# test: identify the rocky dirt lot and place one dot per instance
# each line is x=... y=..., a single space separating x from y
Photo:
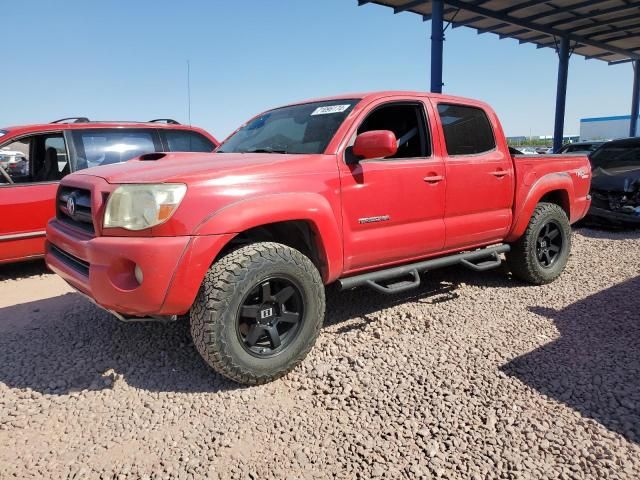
x=472 y=376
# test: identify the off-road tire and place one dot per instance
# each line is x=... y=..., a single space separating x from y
x=228 y=281
x=522 y=259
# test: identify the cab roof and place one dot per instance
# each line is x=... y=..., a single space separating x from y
x=370 y=96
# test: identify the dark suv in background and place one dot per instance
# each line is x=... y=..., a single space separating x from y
x=615 y=187
x=34 y=158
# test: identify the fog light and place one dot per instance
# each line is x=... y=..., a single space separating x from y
x=138 y=273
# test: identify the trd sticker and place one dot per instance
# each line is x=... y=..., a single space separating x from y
x=381 y=218
x=582 y=173
x=329 y=110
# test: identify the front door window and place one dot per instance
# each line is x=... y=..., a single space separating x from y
x=34 y=159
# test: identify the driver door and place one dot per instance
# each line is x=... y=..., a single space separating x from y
x=393 y=208
x=27 y=201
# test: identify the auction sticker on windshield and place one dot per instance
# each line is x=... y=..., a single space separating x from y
x=330 y=109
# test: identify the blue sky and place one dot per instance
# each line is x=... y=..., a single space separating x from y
x=126 y=59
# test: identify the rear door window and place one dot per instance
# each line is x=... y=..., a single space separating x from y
x=467 y=130
x=186 y=141
x=95 y=147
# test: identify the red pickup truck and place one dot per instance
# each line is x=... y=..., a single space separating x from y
x=364 y=190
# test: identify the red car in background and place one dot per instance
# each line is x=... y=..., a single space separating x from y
x=34 y=158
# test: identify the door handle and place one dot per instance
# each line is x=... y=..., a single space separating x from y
x=500 y=173
x=433 y=178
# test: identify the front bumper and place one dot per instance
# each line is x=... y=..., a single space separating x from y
x=103 y=268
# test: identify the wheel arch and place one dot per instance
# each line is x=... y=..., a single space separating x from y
x=305 y=222
x=558 y=197
x=554 y=188
x=303 y=235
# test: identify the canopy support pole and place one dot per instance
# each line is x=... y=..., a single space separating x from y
x=561 y=93
x=635 y=101
x=437 y=40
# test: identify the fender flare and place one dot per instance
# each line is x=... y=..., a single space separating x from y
x=254 y=212
x=550 y=182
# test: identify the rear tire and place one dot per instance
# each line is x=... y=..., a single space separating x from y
x=541 y=254
x=258 y=312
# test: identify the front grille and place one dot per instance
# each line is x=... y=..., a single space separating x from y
x=82 y=217
x=72 y=261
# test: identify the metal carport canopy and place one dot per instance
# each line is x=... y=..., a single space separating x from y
x=607 y=30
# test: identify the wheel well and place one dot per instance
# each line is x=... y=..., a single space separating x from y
x=298 y=234
x=560 y=198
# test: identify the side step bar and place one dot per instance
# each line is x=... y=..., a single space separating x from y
x=478 y=260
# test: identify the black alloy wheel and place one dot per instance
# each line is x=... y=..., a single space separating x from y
x=540 y=255
x=258 y=312
x=549 y=244
x=270 y=317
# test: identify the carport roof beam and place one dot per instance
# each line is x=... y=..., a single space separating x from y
x=544 y=23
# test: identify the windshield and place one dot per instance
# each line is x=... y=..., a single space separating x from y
x=3 y=133
x=617 y=157
x=297 y=129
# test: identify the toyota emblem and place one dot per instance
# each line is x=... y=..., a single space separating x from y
x=71 y=206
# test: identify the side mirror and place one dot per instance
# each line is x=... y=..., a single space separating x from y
x=375 y=144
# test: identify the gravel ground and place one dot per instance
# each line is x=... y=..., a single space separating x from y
x=472 y=376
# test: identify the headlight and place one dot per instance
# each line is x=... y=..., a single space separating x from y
x=136 y=207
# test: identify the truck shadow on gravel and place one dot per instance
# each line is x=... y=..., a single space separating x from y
x=437 y=287
x=594 y=367
x=65 y=344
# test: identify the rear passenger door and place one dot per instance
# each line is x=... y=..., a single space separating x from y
x=480 y=177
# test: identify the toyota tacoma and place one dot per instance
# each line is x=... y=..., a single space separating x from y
x=359 y=190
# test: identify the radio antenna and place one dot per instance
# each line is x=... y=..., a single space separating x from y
x=189 y=91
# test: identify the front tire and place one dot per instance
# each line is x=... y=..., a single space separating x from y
x=541 y=254
x=258 y=312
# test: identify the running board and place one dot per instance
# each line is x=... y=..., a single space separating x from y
x=477 y=260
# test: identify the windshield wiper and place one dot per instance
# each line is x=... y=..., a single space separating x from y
x=266 y=150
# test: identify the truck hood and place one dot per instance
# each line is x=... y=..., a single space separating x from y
x=190 y=167
x=621 y=179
